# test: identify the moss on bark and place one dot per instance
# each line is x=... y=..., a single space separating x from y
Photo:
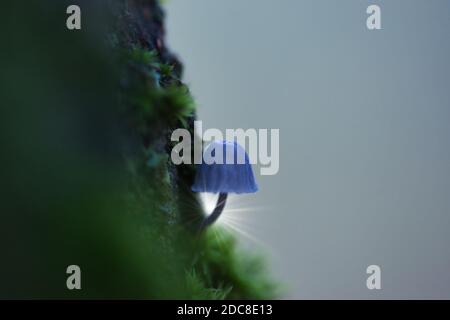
x=86 y=163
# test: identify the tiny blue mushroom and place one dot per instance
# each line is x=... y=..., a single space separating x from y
x=225 y=169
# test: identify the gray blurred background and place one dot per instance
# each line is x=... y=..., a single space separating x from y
x=364 y=136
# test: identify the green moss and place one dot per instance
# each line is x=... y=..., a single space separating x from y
x=153 y=96
x=210 y=265
x=224 y=264
x=200 y=290
x=140 y=55
x=80 y=190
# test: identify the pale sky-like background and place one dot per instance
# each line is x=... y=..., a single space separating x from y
x=364 y=134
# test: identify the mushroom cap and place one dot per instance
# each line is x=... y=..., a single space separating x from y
x=222 y=177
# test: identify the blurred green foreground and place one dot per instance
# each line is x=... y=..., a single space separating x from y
x=86 y=177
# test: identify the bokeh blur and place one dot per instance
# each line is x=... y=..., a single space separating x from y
x=364 y=164
x=364 y=134
x=61 y=162
x=86 y=178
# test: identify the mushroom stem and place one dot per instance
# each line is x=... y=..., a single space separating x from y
x=209 y=220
